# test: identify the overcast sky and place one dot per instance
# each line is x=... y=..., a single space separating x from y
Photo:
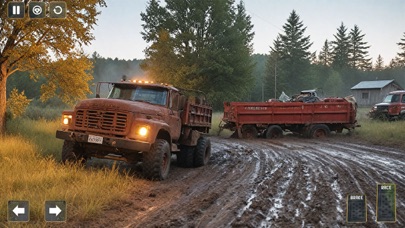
x=382 y=21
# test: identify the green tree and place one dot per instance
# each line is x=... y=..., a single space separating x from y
x=17 y=103
x=48 y=48
x=325 y=55
x=379 y=64
x=401 y=54
x=203 y=45
x=358 y=50
x=292 y=54
x=341 y=46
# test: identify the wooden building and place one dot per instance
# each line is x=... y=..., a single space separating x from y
x=368 y=93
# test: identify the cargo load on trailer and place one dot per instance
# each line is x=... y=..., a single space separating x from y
x=139 y=121
x=306 y=114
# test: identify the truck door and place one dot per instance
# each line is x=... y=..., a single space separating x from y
x=174 y=117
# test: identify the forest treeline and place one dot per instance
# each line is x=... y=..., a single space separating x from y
x=210 y=48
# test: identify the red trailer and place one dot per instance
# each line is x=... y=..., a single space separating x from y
x=269 y=119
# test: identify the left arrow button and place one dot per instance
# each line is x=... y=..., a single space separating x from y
x=19 y=210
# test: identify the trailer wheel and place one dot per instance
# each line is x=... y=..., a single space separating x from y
x=185 y=158
x=274 y=131
x=319 y=131
x=156 y=162
x=202 y=152
x=249 y=132
x=71 y=152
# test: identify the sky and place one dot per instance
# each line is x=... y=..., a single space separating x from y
x=119 y=27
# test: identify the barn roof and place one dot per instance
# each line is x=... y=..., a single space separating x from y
x=372 y=84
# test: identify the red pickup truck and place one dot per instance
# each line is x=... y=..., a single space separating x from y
x=392 y=107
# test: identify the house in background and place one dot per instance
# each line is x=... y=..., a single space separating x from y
x=368 y=93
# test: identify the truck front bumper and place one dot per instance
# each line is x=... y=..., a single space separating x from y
x=113 y=142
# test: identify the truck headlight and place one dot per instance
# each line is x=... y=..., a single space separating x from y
x=143 y=131
x=67 y=119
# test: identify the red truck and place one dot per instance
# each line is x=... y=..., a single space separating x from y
x=270 y=119
x=139 y=121
x=392 y=107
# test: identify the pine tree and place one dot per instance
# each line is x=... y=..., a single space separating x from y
x=341 y=46
x=358 y=50
x=379 y=64
x=292 y=49
x=325 y=55
x=401 y=55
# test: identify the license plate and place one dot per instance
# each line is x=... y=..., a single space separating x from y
x=95 y=139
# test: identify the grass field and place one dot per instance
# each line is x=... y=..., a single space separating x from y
x=30 y=170
x=387 y=133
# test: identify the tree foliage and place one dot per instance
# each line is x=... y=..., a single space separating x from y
x=401 y=55
x=358 y=54
x=290 y=56
x=48 y=48
x=17 y=103
x=202 y=45
x=341 y=46
x=379 y=64
x=325 y=55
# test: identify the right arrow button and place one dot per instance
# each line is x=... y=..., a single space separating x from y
x=55 y=211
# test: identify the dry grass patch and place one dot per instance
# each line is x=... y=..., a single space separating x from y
x=30 y=171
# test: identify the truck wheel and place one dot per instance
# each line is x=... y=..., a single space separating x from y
x=319 y=131
x=202 y=152
x=185 y=158
x=274 y=131
x=156 y=162
x=249 y=132
x=71 y=152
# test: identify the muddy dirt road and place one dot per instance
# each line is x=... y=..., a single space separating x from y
x=289 y=182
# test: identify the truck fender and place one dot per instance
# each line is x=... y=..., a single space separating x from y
x=161 y=130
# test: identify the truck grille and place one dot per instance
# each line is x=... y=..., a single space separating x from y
x=106 y=122
x=382 y=108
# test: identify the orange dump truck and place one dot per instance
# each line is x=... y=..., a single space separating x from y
x=270 y=119
x=139 y=121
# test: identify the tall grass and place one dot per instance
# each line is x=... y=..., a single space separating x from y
x=387 y=133
x=30 y=171
x=40 y=132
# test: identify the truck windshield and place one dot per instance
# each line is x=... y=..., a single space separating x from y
x=391 y=98
x=153 y=95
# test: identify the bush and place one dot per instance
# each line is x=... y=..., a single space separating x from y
x=17 y=103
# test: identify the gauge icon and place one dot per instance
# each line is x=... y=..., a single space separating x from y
x=36 y=9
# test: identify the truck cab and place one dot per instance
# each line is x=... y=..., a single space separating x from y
x=139 y=121
x=392 y=107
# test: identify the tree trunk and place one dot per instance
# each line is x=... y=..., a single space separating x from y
x=3 y=100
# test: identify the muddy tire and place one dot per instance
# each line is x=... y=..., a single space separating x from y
x=185 y=158
x=202 y=152
x=249 y=132
x=156 y=162
x=319 y=131
x=71 y=152
x=273 y=132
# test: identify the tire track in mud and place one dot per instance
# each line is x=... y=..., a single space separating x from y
x=288 y=182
